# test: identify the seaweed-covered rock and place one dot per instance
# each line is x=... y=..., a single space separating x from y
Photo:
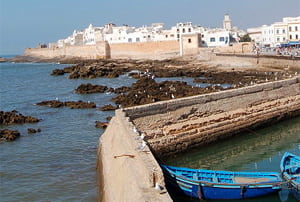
x=51 y=103
x=15 y=117
x=9 y=135
x=90 y=88
x=80 y=104
x=58 y=72
x=32 y=130
x=102 y=125
x=108 y=107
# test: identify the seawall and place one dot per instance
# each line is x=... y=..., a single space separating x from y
x=127 y=170
x=177 y=125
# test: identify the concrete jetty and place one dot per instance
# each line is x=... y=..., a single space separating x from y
x=127 y=167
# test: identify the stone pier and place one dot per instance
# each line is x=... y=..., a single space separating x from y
x=129 y=170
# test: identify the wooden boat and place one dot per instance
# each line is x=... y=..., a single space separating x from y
x=209 y=184
x=290 y=169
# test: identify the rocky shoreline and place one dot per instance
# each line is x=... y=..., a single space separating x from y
x=147 y=90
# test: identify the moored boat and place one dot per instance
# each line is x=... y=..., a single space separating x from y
x=290 y=169
x=210 y=184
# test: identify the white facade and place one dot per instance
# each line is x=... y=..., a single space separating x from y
x=278 y=33
x=216 y=38
x=92 y=35
x=156 y=32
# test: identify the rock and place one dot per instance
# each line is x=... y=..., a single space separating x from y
x=57 y=72
x=71 y=104
x=108 y=107
x=32 y=130
x=102 y=125
x=80 y=104
x=15 y=117
x=89 y=88
x=9 y=135
x=51 y=103
x=108 y=118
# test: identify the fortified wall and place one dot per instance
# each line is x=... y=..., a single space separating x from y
x=143 y=50
x=127 y=168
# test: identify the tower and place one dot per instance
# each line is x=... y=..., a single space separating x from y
x=227 y=22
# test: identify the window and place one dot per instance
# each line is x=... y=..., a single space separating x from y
x=177 y=30
x=277 y=31
x=137 y=39
x=190 y=30
x=291 y=36
x=183 y=30
x=296 y=28
x=212 y=39
x=190 y=40
x=221 y=39
x=172 y=35
x=178 y=36
x=129 y=39
x=283 y=38
x=296 y=36
x=278 y=39
x=283 y=31
x=290 y=29
x=202 y=35
x=166 y=36
x=203 y=42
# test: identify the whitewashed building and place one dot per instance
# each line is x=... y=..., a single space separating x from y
x=277 y=34
x=92 y=35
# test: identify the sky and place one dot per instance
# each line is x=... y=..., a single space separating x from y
x=26 y=23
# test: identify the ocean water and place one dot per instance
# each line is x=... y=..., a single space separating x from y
x=59 y=163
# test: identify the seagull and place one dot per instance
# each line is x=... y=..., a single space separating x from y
x=56 y=99
x=143 y=145
x=157 y=186
x=135 y=130
x=172 y=96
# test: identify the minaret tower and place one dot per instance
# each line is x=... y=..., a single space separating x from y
x=227 y=22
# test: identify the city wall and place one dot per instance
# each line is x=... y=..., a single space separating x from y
x=100 y=50
x=143 y=50
x=146 y=50
x=177 y=125
x=271 y=61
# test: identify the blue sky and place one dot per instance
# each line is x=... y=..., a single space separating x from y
x=26 y=23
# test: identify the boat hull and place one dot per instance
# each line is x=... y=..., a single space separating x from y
x=290 y=168
x=208 y=190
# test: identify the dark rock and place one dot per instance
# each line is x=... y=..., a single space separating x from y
x=89 y=88
x=108 y=118
x=32 y=130
x=80 y=104
x=108 y=107
x=9 y=135
x=102 y=125
x=51 y=103
x=57 y=72
x=15 y=117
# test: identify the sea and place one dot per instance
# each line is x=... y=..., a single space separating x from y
x=59 y=163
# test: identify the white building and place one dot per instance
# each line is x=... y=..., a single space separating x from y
x=92 y=35
x=227 y=22
x=286 y=32
x=216 y=38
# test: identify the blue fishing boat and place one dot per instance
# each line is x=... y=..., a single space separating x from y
x=210 y=184
x=290 y=169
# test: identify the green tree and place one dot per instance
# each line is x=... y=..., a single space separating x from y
x=245 y=38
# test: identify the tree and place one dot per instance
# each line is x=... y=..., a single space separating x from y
x=245 y=38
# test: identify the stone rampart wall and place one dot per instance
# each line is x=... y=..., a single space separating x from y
x=145 y=50
x=175 y=126
x=86 y=52
x=171 y=105
x=280 y=62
